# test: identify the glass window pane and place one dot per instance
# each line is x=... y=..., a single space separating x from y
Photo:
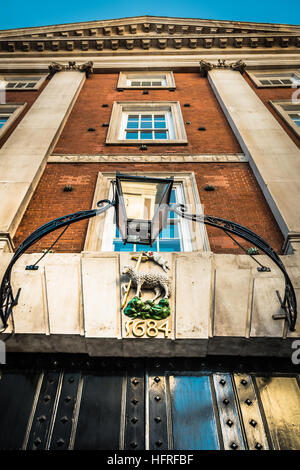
x=135 y=83
x=156 y=83
x=146 y=83
x=133 y=117
x=161 y=135
x=146 y=124
x=20 y=85
x=2 y=121
x=287 y=81
x=30 y=85
x=146 y=117
x=10 y=85
x=172 y=214
x=119 y=246
x=146 y=247
x=170 y=231
x=132 y=125
x=160 y=117
x=160 y=125
x=131 y=135
x=276 y=82
x=265 y=82
x=169 y=245
x=146 y=135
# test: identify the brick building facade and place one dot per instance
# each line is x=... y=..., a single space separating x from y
x=213 y=104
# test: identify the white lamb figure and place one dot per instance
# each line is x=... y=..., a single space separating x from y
x=148 y=280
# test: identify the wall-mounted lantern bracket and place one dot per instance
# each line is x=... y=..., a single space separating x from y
x=7 y=299
x=289 y=302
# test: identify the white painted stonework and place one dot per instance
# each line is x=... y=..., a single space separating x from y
x=24 y=154
x=273 y=156
x=220 y=304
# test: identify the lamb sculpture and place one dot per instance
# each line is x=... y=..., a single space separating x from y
x=150 y=280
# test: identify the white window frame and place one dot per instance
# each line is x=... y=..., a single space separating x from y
x=260 y=75
x=101 y=230
x=126 y=78
x=284 y=108
x=38 y=80
x=13 y=110
x=120 y=110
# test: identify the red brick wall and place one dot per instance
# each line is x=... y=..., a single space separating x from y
x=100 y=89
x=266 y=94
x=237 y=197
x=28 y=97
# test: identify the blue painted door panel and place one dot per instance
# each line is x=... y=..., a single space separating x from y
x=193 y=417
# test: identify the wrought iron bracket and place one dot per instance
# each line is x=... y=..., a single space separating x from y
x=289 y=302
x=7 y=299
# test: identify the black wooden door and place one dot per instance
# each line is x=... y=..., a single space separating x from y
x=75 y=402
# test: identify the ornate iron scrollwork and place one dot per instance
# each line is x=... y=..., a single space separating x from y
x=7 y=299
x=289 y=302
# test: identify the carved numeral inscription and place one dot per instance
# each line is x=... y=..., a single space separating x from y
x=150 y=328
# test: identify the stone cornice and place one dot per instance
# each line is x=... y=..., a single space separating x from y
x=80 y=44
x=150 y=24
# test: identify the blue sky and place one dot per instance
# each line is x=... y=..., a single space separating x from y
x=18 y=14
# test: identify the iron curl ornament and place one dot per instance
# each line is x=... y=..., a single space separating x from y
x=7 y=299
x=288 y=303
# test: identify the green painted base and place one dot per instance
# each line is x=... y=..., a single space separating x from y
x=136 y=308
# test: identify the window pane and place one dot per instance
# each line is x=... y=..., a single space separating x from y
x=156 y=83
x=133 y=117
x=146 y=83
x=160 y=117
x=160 y=124
x=146 y=124
x=171 y=231
x=119 y=246
x=30 y=85
x=10 y=85
x=135 y=83
x=146 y=247
x=2 y=121
x=146 y=117
x=132 y=125
x=275 y=82
x=20 y=85
x=265 y=82
x=146 y=135
x=172 y=215
x=169 y=245
x=161 y=135
x=287 y=81
x=131 y=135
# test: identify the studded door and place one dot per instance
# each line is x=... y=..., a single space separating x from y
x=83 y=403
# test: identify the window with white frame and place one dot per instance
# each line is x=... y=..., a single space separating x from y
x=289 y=112
x=179 y=234
x=147 y=126
x=150 y=122
x=8 y=114
x=143 y=79
x=22 y=82
x=279 y=78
